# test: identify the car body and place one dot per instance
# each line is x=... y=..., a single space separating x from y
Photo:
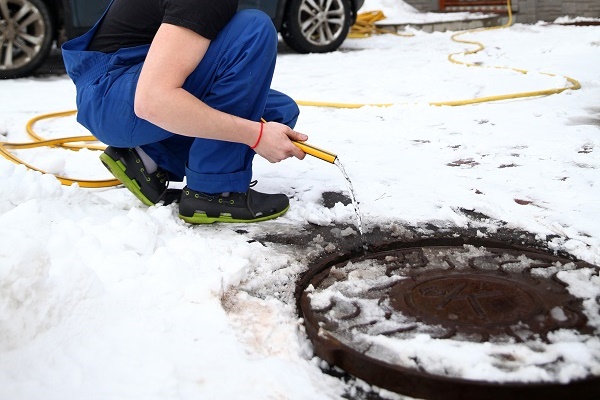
x=29 y=28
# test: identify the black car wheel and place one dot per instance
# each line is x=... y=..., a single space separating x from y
x=26 y=33
x=316 y=26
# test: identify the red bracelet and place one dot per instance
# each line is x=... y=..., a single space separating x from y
x=262 y=124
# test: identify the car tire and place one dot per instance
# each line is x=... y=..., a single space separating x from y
x=23 y=48
x=316 y=26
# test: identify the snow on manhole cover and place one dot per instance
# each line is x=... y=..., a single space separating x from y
x=459 y=321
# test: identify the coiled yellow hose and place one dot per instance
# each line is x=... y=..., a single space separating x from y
x=73 y=142
x=366 y=27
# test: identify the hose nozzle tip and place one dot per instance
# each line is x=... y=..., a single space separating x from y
x=316 y=152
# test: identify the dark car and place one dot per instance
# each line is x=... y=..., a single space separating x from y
x=29 y=28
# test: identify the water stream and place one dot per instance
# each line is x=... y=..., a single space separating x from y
x=359 y=220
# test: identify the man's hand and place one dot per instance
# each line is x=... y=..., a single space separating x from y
x=276 y=143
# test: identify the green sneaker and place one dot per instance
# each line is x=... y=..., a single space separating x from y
x=201 y=208
x=127 y=166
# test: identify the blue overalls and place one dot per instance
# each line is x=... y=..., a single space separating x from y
x=234 y=77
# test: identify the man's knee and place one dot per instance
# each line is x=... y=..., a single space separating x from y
x=281 y=108
x=254 y=23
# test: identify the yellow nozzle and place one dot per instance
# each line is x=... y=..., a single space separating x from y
x=316 y=152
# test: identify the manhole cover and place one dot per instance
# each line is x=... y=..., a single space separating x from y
x=459 y=321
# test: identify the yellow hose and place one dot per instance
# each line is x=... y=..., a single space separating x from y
x=364 y=27
x=74 y=143
x=574 y=84
x=316 y=152
x=371 y=17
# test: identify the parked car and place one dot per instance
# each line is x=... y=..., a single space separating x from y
x=29 y=28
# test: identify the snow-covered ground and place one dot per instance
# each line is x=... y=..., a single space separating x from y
x=104 y=298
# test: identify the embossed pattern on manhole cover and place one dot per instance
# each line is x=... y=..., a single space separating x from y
x=455 y=321
x=468 y=301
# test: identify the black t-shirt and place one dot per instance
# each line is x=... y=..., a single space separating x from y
x=130 y=23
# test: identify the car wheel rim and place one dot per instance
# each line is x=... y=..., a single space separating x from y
x=22 y=33
x=321 y=21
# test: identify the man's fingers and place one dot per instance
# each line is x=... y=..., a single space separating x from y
x=275 y=147
x=298 y=153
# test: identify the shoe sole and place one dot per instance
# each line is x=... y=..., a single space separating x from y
x=204 y=219
x=117 y=168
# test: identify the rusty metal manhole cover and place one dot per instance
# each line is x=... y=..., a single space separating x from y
x=459 y=322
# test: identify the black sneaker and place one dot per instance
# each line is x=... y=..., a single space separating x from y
x=127 y=166
x=201 y=208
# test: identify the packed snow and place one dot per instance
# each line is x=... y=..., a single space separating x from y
x=102 y=297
